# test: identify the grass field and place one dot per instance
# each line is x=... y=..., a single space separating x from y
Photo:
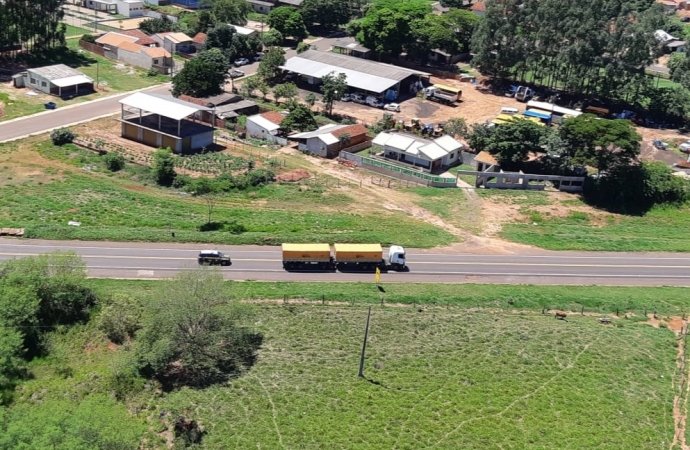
x=594 y=299
x=442 y=378
x=123 y=207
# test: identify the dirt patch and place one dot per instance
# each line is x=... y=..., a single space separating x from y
x=112 y=346
x=294 y=175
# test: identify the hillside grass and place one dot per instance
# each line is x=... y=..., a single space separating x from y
x=128 y=207
x=441 y=378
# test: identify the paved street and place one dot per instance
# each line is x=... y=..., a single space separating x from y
x=150 y=261
x=79 y=112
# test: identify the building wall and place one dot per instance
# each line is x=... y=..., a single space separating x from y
x=407 y=159
x=135 y=59
x=256 y=131
x=100 y=5
x=261 y=8
x=202 y=140
x=452 y=158
x=35 y=81
x=131 y=9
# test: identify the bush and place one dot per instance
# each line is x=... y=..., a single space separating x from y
x=164 y=167
x=120 y=318
x=152 y=72
x=181 y=181
x=114 y=162
x=62 y=136
x=90 y=38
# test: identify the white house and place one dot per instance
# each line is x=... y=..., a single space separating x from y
x=429 y=155
x=175 y=42
x=60 y=80
x=329 y=140
x=267 y=126
x=244 y=30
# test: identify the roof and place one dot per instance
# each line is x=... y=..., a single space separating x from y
x=175 y=37
x=273 y=116
x=142 y=38
x=56 y=72
x=486 y=158
x=242 y=30
x=228 y=111
x=162 y=105
x=350 y=44
x=352 y=130
x=156 y=52
x=291 y=2
x=199 y=38
x=129 y=46
x=260 y=3
x=416 y=146
x=263 y=122
x=72 y=81
x=115 y=39
x=479 y=6
x=361 y=73
x=535 y=113
x=676 y=43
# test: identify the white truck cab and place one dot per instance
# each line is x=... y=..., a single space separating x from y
x=396 y=257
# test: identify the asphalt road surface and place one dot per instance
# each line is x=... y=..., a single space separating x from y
x=154 y=261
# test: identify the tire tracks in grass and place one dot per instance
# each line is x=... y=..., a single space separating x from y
x=274 y=414
x=517 y=400
x=680 y=386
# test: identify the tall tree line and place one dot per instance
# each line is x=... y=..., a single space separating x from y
x=31 y=25
x=592 y=47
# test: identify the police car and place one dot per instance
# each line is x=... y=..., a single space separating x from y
x=210 y=257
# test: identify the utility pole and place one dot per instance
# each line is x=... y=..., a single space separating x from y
x=364 y=347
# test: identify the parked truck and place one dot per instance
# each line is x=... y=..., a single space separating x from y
x=362 y=257
x=442 y=94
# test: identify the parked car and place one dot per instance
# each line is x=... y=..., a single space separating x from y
x=241 y=62
x=357 y=98
x=346 y=98
x=210 y=257
x=373 y=101
x=392 y=107
x=684 y=147
x=236 y=73
x=661 y=145
x=258 y=57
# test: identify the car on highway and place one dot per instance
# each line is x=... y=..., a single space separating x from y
x=241 y=62
x=392 y=107
x=236 y=73
x=213 y=257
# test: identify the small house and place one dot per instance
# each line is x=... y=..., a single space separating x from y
x=244 y=30
x=267 y=126
x=261 y=6
x=329 y=140
x=226 y=106
x=60 y=80
x=199 y=41
x=428 y=155
x=479 y=8
x=175 y=42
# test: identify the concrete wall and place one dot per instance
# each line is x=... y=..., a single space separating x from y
x=130 y=9
x=137 y=59
x=519 y=180
x=35 y=81
x=202 y=140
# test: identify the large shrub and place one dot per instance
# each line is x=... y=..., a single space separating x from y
x=62 y=136
x=114 y=162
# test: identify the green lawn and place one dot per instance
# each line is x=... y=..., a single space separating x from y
x=442 y=378
x=119 y=208
x=75 y=31
x=451 y=205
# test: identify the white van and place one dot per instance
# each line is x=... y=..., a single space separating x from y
x=509 y=110
x=373 y=101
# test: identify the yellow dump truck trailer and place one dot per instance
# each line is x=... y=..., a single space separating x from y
x=358 y=253
x=307 y=256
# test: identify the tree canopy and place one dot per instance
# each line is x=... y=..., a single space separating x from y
x=388 y=26
x=288 y=21
x=269 y=68
x=333 y=86
x=158 y=25
x=230 y=11
x=327 y=14
x=300 y=118
x=202 y=76
x=31 y=26
x=513 y=141
x=193 y=333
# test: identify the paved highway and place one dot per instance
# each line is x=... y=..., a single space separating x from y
x=151 y=261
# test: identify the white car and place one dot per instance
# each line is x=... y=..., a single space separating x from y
x=236 y=73
x=241 y=62
x=392 y=107
x=346 y=98
x=685 y=147
x=258 y=57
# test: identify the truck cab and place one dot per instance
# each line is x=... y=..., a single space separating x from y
x=211 y=257
x=396 y=257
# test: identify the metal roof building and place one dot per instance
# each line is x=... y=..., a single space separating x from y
x=361 y=74
x=161 y=121
x=429 y=155
x=59 y=79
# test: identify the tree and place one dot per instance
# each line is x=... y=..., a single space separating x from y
x=163 y=167
x=62 y=136
x=158 y=25
x=513 y=141
x=333 y=86
x=230 y=11
x=310 y=99
x=30 y=27
x=288 y=21
x=302 y=47
x=232 y=44
x=269 y=68
x=193 y=333
x=287 y=91
x=120 y=318
x=200 y=22
x=300 y=118
x=114 y=162
x=250 y=85
x=479 y=136
x=387 y=27
x=207 y=189
x=272 y=38
x=601 y=143
x=203 y=76
x=328 y=14
x=456 y=127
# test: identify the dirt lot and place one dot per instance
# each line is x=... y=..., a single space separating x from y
x=125 y=24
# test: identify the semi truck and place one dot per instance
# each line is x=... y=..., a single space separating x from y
x=363 y=257
x=442 y=94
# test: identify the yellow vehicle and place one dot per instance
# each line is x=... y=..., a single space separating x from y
x=307 y=256
x=343 y=257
